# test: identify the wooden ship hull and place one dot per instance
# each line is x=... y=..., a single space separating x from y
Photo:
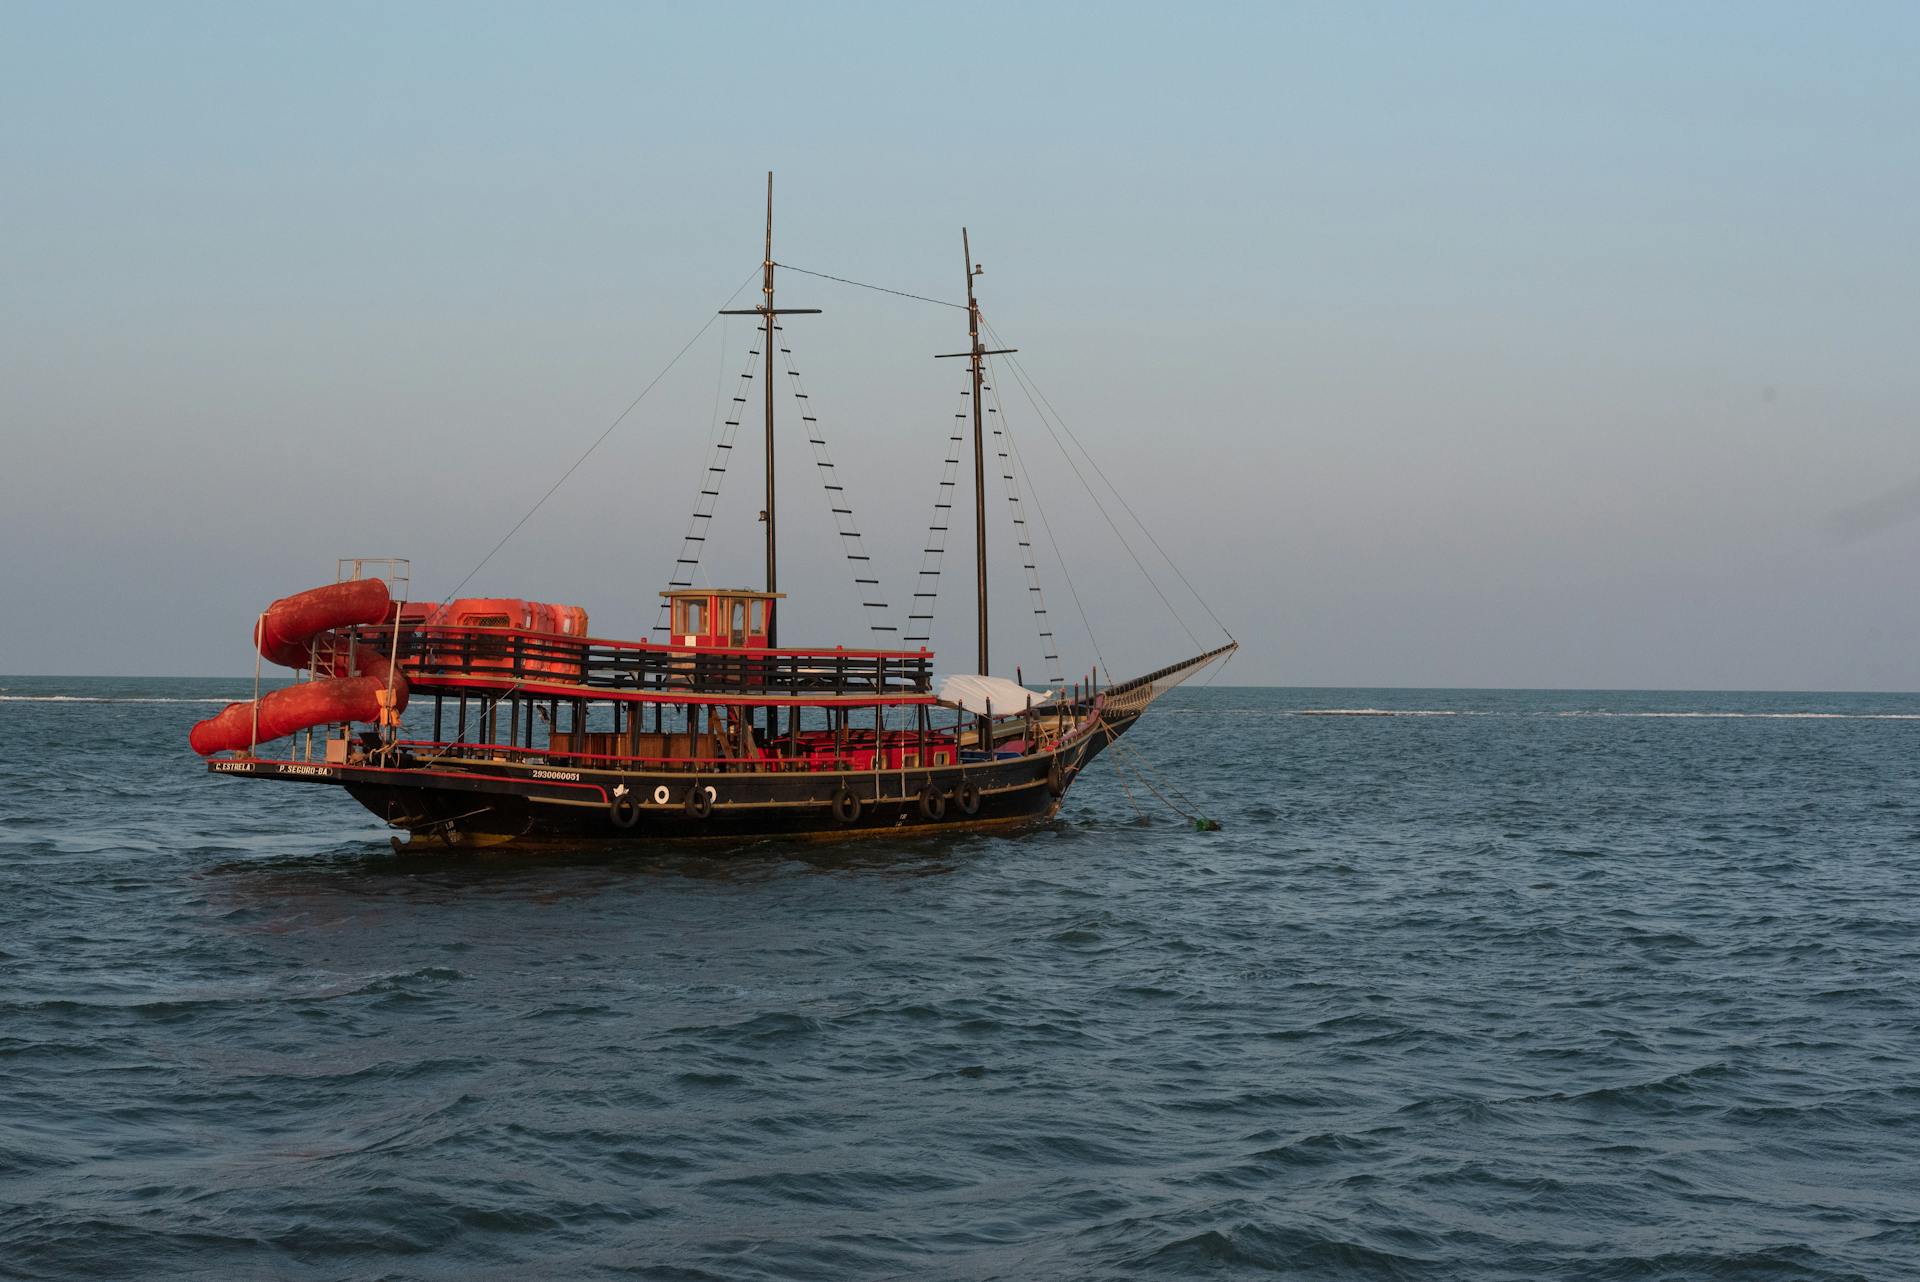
x=593 y=786
x=507 y=801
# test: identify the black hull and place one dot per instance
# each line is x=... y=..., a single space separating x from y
x=479 y=803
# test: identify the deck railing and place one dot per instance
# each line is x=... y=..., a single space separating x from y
x=854 y=751
x=452 y=652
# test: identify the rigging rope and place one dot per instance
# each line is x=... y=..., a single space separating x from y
x=1023 y=536
x=1040 y=510
x=617 y=420
x=694 y=541
x=933 y=552
x=865 y=581
x=1020 y=379
x=1025 y=379
x=918 y=298
x=720 y=376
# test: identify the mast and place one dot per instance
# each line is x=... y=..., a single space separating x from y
x=766 y=299
x=979 y=453
x=766 y=311
x=974 y=354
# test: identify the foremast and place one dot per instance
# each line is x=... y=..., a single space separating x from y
x=767 y=312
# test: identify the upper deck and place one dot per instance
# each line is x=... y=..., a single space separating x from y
x=438 y=657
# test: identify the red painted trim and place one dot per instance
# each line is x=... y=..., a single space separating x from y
x=505 y=682
x=672 y=648
x=896 y=740
x=571 y=756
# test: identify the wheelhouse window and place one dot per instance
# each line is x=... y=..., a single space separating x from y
x=693 y=616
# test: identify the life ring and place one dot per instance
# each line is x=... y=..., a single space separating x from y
x=967 y=797
x=1057 y=778
x=846 y=805
x=624 y=811
x=660 y=795
x=933 y=804
x=700 y=799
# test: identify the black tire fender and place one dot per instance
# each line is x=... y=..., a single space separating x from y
x=1057 y=777
x=624 y=811
x=700 y=799
x=967 y=797
x=933 y=804
x=846 y=805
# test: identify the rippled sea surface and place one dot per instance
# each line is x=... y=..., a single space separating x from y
x=1540 y=985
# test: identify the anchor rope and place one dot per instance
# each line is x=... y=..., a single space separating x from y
x=1128 y=759
x=1137 y=809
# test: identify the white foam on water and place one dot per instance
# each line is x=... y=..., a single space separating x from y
x=98 y=698
x=1375 y=712
x=1755 y=716
x=1701 y=715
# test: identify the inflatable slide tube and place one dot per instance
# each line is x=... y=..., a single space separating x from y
x=285 y=635
x=291 y=709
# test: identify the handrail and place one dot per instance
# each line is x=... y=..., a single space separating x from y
x=437 y=650
x=674 y=647
x=739 y=764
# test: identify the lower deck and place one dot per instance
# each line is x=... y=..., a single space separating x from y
x=706 y=737
x=457 y=798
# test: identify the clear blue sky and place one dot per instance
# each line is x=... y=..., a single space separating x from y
x=1520 y=344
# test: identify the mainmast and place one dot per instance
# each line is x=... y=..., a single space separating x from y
x=766 y=311
x=974 y=354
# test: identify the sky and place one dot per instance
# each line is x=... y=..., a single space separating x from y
x=1522 y=345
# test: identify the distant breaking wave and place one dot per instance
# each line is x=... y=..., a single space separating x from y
x=1669 y=716
x=1758 y=716
x=97 y=698
x=1381 y=712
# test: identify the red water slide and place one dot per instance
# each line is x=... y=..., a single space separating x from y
x=285 y=635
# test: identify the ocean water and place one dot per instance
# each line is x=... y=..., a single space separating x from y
x=1511 y=985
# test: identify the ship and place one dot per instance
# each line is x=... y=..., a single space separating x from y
x=710 y=731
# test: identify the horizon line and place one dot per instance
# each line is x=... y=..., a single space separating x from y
x=1461 y=689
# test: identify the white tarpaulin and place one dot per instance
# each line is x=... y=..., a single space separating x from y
x=975 y=693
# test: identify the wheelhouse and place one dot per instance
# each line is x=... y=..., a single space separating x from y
x=734 y=618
